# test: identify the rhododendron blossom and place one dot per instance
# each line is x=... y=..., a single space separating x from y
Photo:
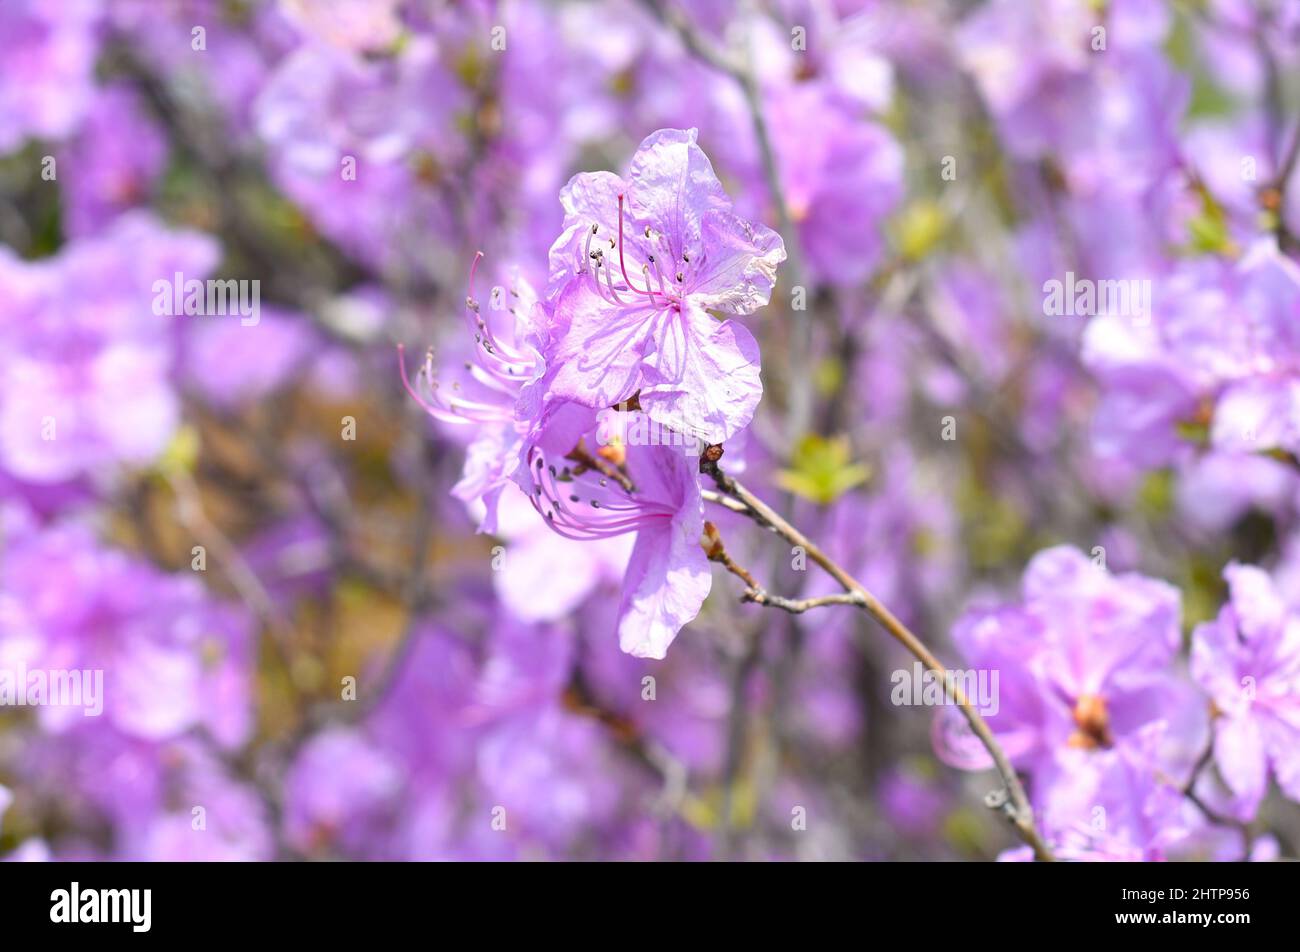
x=639 y=267
x=588 y=492
x=1248 y=660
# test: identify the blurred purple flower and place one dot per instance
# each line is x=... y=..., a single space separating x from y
x=47 y=73
x=86 y=376
x=1248 y=661
x=173 y=659
x=1087 y=665
x=111 y=162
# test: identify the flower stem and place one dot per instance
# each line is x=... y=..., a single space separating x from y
x=1013 y=801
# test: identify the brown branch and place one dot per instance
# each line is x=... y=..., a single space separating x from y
x=1011 y=801
x=741 y=70
x=797 y=606
x=1211 y=815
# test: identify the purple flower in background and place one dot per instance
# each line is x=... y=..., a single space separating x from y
x=545 y=762
x=341 y=792
x=47 y=73
x=366 y=149
x=172 y=658
x=639 y=266
x=588 y=489
x=1260 y=407
x=359 y=26
x=1086 y=664
x=236 y=825
x=112 y=162
x=233 y=365
x=85 y=376
x=842 y=177
x=1111 y=806
x=1248 y=661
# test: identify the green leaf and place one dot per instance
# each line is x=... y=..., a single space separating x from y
x=822 y=469
x=919 y=229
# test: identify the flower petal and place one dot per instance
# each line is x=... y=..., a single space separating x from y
x=673 y=186
x=599 y=346
x=589 y=198
x=703 y=376
x=738 y=264
x=1239 y=752
x=668 y=576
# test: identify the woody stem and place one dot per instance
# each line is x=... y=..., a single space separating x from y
x=1015 y=804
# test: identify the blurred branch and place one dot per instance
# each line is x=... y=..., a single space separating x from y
x=189 y=509
x=754 y=592
x=1012 y=800
x=1210 y=814
x=741 y=70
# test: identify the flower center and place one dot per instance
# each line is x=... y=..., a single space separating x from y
x=1092 y=722
x=663 y=279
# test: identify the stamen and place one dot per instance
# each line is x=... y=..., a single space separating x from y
x=406 y=381
x=621 y=263
x=586 y=250
x=659 y=276
x=609 y=282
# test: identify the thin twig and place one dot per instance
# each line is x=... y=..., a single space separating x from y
x=1013 y=802
x=251 y=591
x=797 y=606
x=1210 y=814
x=741 y=70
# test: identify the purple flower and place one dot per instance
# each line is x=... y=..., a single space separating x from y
x=47 y=74
x=1087 y=665
x=528 y=585
x=341 y=791
x=117 y=153
x=639 y=266
x=1112 y=806
x=586 y=490
x=172 y=659
x=365 y=148
x=692 y=697
x=359 y=26
x=231 y=364
x=496 y=391
x=235 y=826
x=552 y=771
x=85 y=376
x=1248 y=661
x=842 y=177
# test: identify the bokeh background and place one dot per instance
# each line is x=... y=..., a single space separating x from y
x=308 y=650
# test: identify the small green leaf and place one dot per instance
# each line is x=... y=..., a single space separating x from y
x=919 y=229
x=822 y=469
